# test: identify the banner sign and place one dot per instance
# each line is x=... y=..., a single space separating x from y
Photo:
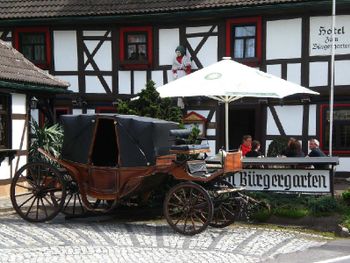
x=317 y=181
x=321 y=35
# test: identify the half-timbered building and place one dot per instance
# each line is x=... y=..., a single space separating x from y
x=109 y=49
x=22 y=84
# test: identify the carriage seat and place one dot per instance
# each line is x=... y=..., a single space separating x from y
x=189 y=148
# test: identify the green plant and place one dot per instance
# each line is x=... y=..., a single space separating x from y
x=291 y=212
x=323 y=206
x=277 y=146
x=49 y=138
x=261 y=215
x=346 y=196
x=150 y=104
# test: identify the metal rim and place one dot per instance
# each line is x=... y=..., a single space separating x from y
x=37 y=192
x=188 y=208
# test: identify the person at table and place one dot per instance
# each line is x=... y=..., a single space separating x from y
x=293 y=149
x=255 y=151
x=246 y=145
x=315 y=151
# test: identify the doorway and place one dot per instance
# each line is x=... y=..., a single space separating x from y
x=241 y=122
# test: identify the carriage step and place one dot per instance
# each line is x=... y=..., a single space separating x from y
x=230 y=190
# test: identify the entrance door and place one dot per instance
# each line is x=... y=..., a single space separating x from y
x=241 y=122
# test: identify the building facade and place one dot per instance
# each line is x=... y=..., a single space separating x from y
x=109 y=50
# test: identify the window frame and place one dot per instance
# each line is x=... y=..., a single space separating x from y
x=136 y=64
x=35 y=30
x=7 y=113
x=247 y=21
x=323 y=125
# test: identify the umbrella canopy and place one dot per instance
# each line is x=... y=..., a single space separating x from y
x=227 y=81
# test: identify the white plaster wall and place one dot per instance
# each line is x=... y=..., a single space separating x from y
x=124 y=82
x=34 y=115
x=157 y=77
x=194 y=41
x=294 y=73
x=211 y=132
x=22 y=161
x=291 y=118
x=281 y=34
x=212 y=146
x=93 y=84
x=140 y=79
x=90 y=111
x=103 y=57
x=5 y=169
x=271 y=127
x=318 y=74
x=65 y=50
x=170 y=75
x=17 y=131
x=92 y=33
x=342 y=76
x=208 y=54
x=275 y=70
x=200 y=29
x=73 y=81
x=169 y=39
x=312 y=120
x=77 y=111
x=344 y=165
x=18 y=103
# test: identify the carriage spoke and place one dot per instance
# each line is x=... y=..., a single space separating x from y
x=30 y=208
x=26 y=201
x=37 y=209
x=45 y=210
x=65 y=207
x=25 y=187
x=24 y=194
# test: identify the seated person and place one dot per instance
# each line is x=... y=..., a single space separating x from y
x=255 y=151
x=293 y=149
x=315 y=151
x=246 y=145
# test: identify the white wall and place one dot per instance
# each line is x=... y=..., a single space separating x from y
x=281 y=34
x=294 y=73
x=65 y=50
x=93 y=84
x=103 y=57
x=124 y=82
x=275 y=70
x=291 y=118
x=318 y=74
x=140 y=79
x=169 y=39
x=344 y=165
x=342 y=76
x=312 y=120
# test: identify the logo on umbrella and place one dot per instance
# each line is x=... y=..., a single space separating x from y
x=212 y=76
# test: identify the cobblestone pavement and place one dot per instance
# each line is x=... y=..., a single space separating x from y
x=105 y=239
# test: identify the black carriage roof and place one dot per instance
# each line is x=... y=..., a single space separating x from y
x=140 y=139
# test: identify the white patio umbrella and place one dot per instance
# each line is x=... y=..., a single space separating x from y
x=227 y=81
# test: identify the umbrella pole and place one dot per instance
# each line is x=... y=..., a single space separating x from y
x=226 y=124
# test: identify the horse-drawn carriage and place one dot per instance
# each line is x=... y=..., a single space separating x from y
x=107 y=160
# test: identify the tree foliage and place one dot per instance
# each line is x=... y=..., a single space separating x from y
x=150 y=104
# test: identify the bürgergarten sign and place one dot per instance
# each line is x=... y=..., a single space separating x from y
x=317 y=181
x=321 y=35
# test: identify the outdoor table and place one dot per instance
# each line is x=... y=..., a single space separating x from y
x=7 y=153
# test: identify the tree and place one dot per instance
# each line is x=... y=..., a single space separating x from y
x=150 y=104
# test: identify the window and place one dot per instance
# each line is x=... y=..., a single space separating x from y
x=34 y=44
x=4 y=121
x=243 y=40
x=136 y=47
x=341 y=128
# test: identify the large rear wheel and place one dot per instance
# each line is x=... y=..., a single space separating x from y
x=188 y=208
x=38 y=192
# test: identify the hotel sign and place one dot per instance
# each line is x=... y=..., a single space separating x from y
x=321 y=35
x=293 y=180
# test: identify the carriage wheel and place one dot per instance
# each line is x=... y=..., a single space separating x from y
x=38 y=192
x=226 y=206
x=188 y=208
x=73 y=206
